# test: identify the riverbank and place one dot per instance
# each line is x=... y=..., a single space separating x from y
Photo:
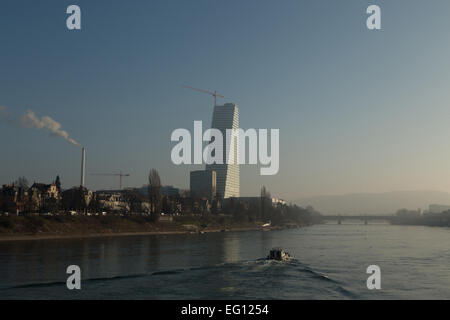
x=67 y=227
x=429 y=220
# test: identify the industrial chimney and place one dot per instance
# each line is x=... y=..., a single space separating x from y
x=83 y=166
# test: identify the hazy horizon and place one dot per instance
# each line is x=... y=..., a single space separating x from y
x=359 y=111
x=384 y=203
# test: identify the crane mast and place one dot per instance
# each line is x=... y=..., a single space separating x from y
x=120 y=174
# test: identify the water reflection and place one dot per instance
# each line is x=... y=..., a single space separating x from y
x=24 y=262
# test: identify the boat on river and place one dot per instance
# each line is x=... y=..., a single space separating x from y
x=278 y=254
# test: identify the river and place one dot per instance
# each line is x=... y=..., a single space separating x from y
x=330 y=262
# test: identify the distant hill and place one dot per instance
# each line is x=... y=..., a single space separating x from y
x=375 y=203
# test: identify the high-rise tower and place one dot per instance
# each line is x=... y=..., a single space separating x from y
x=227 y=175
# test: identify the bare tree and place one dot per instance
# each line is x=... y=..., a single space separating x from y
x=154 y=191
x=22 y=182
x=264 y=192
x=265 y=202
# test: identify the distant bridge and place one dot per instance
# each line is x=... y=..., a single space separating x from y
x=364 y=218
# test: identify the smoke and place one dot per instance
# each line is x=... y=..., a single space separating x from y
x=4 y=114
x=30 y=120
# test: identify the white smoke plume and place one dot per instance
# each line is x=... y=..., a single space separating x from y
x=30 y=120
x=4 y=114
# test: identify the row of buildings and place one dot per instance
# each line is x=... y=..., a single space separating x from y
x=41 y=197
x=14 y=198
x=50 y=198
x=432 y=209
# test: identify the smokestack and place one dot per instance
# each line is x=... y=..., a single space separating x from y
x=83 y=166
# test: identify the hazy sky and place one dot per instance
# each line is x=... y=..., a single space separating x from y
x=358 y=110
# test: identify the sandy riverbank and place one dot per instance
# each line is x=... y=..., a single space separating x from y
x=20 y=228
x=43 y=236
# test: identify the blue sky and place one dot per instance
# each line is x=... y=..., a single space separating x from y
x=358 y=110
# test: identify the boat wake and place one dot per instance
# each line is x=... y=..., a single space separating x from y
x=289 y=279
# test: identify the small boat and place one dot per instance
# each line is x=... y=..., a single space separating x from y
x=278 y=254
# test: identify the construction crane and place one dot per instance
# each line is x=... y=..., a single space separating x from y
x=113 y=174
x=214 y=94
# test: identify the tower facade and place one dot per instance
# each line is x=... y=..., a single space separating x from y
x=227 y=175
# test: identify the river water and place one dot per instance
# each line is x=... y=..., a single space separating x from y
x=330 y=262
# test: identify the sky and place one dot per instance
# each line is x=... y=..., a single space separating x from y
x=358 y=110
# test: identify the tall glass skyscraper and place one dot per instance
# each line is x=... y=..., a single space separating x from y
x=227 y=175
